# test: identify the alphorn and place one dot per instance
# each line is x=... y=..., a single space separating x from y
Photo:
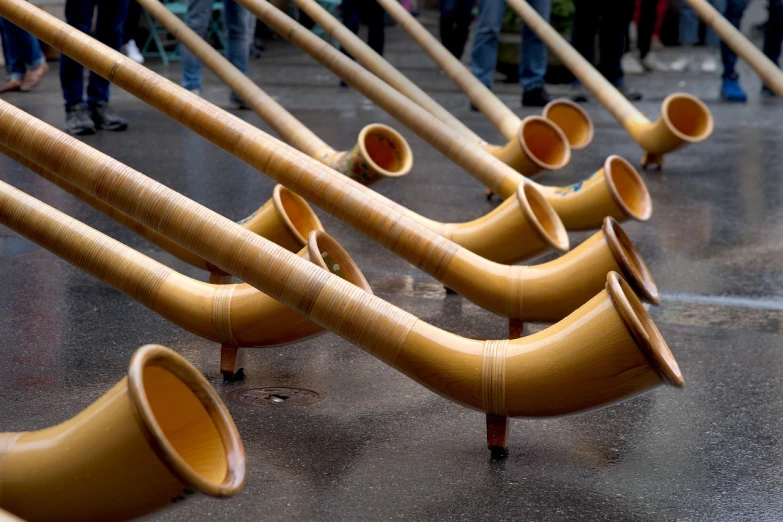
x=508 y=234
x=498 y=288
x=570 y=117
x=733 y=37
x=606 y=351
x=684 y=118
x=235 y=315
x=158 y=437
x=286 y=219
x=433 y=130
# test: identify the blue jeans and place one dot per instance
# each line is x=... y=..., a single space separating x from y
x=199 y=15
x=79 y=13
x=689 y=30
x=484 y=55
x=22 y=50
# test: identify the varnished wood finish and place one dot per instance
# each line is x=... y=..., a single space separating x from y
x=768 y=70
x=684 y=118
x=507 y=294
x=161 y=434
x=506 y=235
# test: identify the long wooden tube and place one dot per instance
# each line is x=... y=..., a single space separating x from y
x=456 y=267
x=235 y=315
x=606 y=351
x=733 y=37
x=536 y=135
x=684 y=118
x=159 y=436
x=508 y=234
x=570 y=117
x=381 y=152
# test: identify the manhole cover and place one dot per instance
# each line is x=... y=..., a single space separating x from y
x=275 y=396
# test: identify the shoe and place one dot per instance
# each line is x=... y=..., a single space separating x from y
x=11 y=85
x=579 y=94
x=33 y=77
x=535 y=97
x=629 y=94
x=473 y=108
x=731 y=90
x=630 y=64
x=195 y=91
x=78 y=121
x=237 y=104
x=709 y=65
x=680 y=64
x=343 y=84
x=652 y=63
x=131 y=50
x=766 y=92
x=104 y=118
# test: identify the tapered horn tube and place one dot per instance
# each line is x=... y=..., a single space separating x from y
x=381 y=152
x=684 y=118
x=731 y=36
x=159 y=436
x=235 y=315
x=336 y=194
x=572 y=119
x=506 y=235
x=606 y=351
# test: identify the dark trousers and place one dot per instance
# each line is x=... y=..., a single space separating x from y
x=455 y=18
x=609 y=19
x=371 y=14
x=79 y=14
x=773 y=31
x=131 y=26
x=648 y=16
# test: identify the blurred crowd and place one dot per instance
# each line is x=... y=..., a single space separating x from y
x=625 y=33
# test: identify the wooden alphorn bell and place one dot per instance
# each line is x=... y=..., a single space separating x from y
x=159 y=436
x=684 y=118
x=606 y=351
x=235 y=315
x=497 y=288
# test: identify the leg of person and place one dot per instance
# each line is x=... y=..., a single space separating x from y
x=238 y=41
x=34 y=60
x=464 y=14
x=773 y=36
x=108 y=30
x=688 y=32
x=350 y=15
x=376 y=25
x=448 y=14
x=583 y=37
x=78 y=13
x=129 y=33
x=14 y=56
x=198 y=17
x=648 y=14
x=615 y=17
x=731 y=90
x=532 y=62
x=484 y=55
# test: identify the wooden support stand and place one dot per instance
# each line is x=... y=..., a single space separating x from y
x=515 y=328
x=497 y=433
x=217 y=278
x=489 y=193
x=232 y=363
x=449 y=291
x=649 y=159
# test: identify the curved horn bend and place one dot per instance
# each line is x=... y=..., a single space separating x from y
x=171 y=437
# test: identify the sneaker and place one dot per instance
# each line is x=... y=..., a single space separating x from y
x=731 y=90
x=104 y=118
x=33 y=77
x=195 y=91
x=535 y=97
x=652 y=63
x=710 y=64
x=680 y=64
x=629 y=94
x=131 y=50
x=473 y=107
x=579 y=94
x=630 y=64
x=78 y=121
x=11 y=85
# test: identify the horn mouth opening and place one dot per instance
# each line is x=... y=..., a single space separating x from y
x=630 y=261
x=386 y=150
x=573 y=120
x=328 y=254
x=544 y=143
x=687 y=117
x=186 y=423
x=540 y=213
x=627 y=188
x=295 y=213
x=644 y=331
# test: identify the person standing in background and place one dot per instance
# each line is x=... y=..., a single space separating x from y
x=649 y=18
x=609 y=20
x=533 y=60
x=25 y=62
x=773 y=38
x=81 y=118
x=129 y=47
x=198 y=17
x=455 y=17
x=369 y=12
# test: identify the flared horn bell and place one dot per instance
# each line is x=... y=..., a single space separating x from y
x=616 y=190
x=684 y=119
x=286 y=219
x=573 y=120
x=540 y=146
x=159 y=436
x=380 y=152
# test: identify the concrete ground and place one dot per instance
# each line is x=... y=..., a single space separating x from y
x=380 y=446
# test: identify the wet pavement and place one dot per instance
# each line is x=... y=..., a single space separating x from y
x=379 y=446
